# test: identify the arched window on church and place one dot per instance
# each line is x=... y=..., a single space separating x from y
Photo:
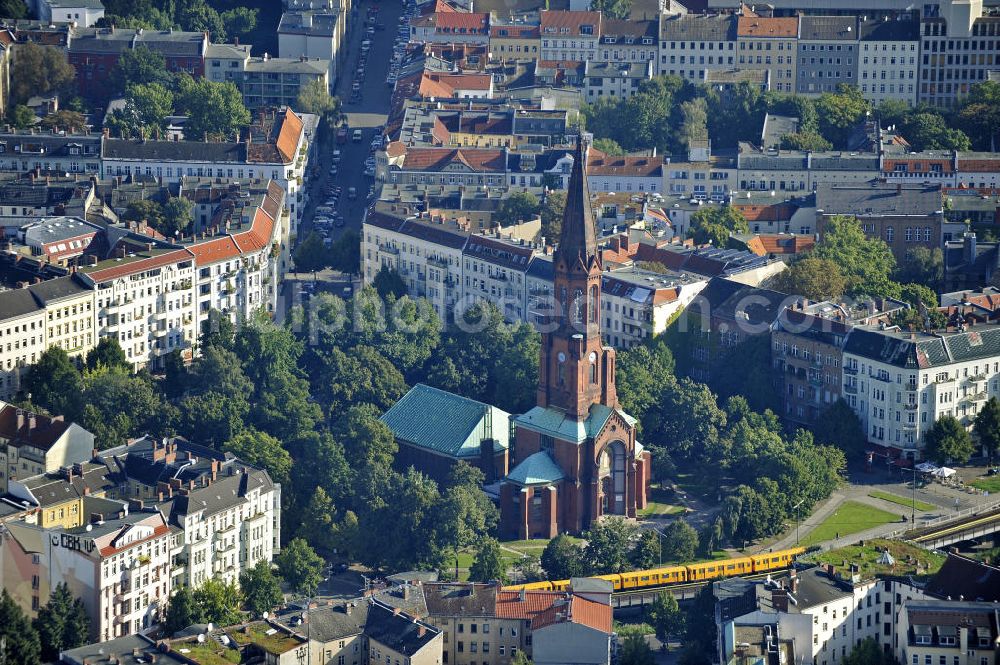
x=563 y=304
x=561 y=370
x=593 y=372
x=592 y=305
x=578 y=306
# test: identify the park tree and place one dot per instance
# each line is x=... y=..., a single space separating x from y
x=929 y=131
x=398 y=523
x=389 y=283
x=19 y=641
x=22 y=117
x=39 y=70
x=118 y=405
x=520 y=659
x=54 y=383
x=107 y=353
x=310 y=254
x=13 y=9
x=63 y=623
x=144 y=210
x=646 y=553
x=345 y=253
x=642 y=373
x=218 y=602
x=680 y=542
x=197 y=16
x=713 y=224
x=66 y=120
x=488 y=565
x=517 y=207
x=814 y=278
x=948 y=441
x=840 y=112
x=609 y=543
x=300 y=566
x=608 y=147
x=214 y=110
x=735 y=115
x=362 y=376
x=178 y=213
x=811 y=141
x=181 y=611
x=552 y=214
x=694 y=121
x=147 y=106
x=561 y=558
x=261 y=589
x=838 y=425
x=141 y=66
x=635 y=651
x=987 y=426
x=612 y=8
x=922 y=265
x=665 y=616
x=466 y=513
x=314 y=97
x=239 y=22
x=866 y=263
x=316 y=521
x=892 y=112
x=979 y=116
x=262 y=450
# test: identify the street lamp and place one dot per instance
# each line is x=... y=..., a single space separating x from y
x=796 y=509
x=913 y=492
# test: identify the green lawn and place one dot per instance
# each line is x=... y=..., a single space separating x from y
x=910 y=559
x=850 y=517
x=901 y=500
x=534 y=546
x=657 y=509
x=989 y=484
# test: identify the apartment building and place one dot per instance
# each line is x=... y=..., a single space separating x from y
x=452 y=166
x=514 y=40
x=32 y=444
x=616 y=79
x=314 y=35
x=703 y=176
x=451 y=27
x=30 y=150
x=628 y=41
x=84 y=13
x=127 y=527
x=264 y=82
x=94 y=53
x=959 y=46
x=900 y=383
x=821 y=614
x=769 y=44
x=827 y=53
x=570 y=35
x=934 y=631
x=278 y=149
x=693 y=45
x=904 y=216
x=889 y=59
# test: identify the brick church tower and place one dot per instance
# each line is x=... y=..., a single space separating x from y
x=575 y=456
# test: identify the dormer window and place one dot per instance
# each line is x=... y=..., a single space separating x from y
x=586 y=29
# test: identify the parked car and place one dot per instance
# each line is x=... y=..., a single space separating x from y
x=352 y=193
x=357 y=136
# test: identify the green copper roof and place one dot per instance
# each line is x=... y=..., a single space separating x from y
x=446 y=423
x=558 y=424
x=537 y=469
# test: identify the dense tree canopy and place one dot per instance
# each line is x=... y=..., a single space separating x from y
x=39 y=70
x=947 y=441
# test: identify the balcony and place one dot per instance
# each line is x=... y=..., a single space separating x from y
x=910 y=407
x=815 y=380
x=911 y=385
x=851 y=390
x=978 y=377
x=850 y=370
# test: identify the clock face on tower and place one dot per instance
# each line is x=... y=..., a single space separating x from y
x=593 y=357
x=562 y=357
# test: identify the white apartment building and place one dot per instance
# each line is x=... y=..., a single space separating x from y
x=22 y=337
x=281 y=155
x=958 y=50
x=935 y=631
x=313 y=34
x=85 y=13
x=455 y=269
x=899 y=383
x=889 y=60
x=627 y=41
x=569 y=35
x=703 y=176
x=769 y=44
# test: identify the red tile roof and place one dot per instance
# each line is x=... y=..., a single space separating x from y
x=979 y=165
x=445 y=85
x=917 y=164
x=599 y=163
x=457 y=21
x=766 y=213
x=554 y=21
x=579 y=610
x=510 y=605
x=130 y=267
x=755 y=26
x=288 y=136
x=515 y=31
x=780 y=244
x=435 y=159
x=158 y=531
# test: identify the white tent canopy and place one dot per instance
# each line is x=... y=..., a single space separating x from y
x=945 y=472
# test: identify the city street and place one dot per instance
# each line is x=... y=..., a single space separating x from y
x=367 y=114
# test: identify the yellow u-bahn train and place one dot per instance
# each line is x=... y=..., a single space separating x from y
x=693 y=572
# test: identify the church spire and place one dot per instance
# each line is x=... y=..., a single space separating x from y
x=578 y=238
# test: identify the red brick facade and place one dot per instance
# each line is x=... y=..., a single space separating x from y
x=601 y=474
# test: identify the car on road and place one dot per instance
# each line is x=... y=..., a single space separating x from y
x=352 y=193
x=333 y=170
x=341 y=138
x=357 y=136
x=336 y=155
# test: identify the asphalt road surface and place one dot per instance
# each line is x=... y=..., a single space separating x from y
x=367 y=114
